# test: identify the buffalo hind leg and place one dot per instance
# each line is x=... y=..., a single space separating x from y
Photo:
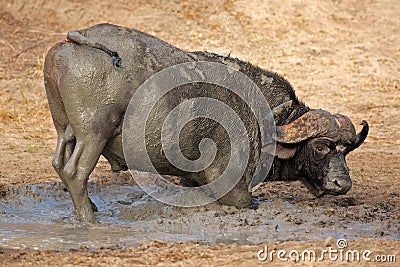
x=76 y=174
x=63 y=149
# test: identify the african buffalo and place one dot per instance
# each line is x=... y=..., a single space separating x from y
x=91 y=76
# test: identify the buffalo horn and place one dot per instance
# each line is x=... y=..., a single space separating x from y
x=360 y=136
x=307 y=126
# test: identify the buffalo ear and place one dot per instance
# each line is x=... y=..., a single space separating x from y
x=282 y=152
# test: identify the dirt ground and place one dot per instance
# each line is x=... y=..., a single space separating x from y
x=342 y=56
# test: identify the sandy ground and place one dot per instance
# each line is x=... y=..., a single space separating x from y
x=343 y=56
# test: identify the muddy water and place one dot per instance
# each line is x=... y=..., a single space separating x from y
x=40 y=217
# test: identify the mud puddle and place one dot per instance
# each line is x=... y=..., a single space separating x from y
x=40 y=217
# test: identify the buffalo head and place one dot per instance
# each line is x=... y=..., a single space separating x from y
x=313 y=149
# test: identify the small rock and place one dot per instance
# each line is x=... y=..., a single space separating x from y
x=329 y=241
x=298 y=220
x=123 y=202
x=159 y=221
x=244 y=221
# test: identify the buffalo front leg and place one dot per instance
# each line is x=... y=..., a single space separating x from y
x=238 y=196
x=76 y=173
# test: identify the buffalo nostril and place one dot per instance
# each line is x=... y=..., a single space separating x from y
x=340 y=186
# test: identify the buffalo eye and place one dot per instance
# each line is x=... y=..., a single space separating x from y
x=322 y=149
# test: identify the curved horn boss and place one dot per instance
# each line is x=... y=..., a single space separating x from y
x=311 y=124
